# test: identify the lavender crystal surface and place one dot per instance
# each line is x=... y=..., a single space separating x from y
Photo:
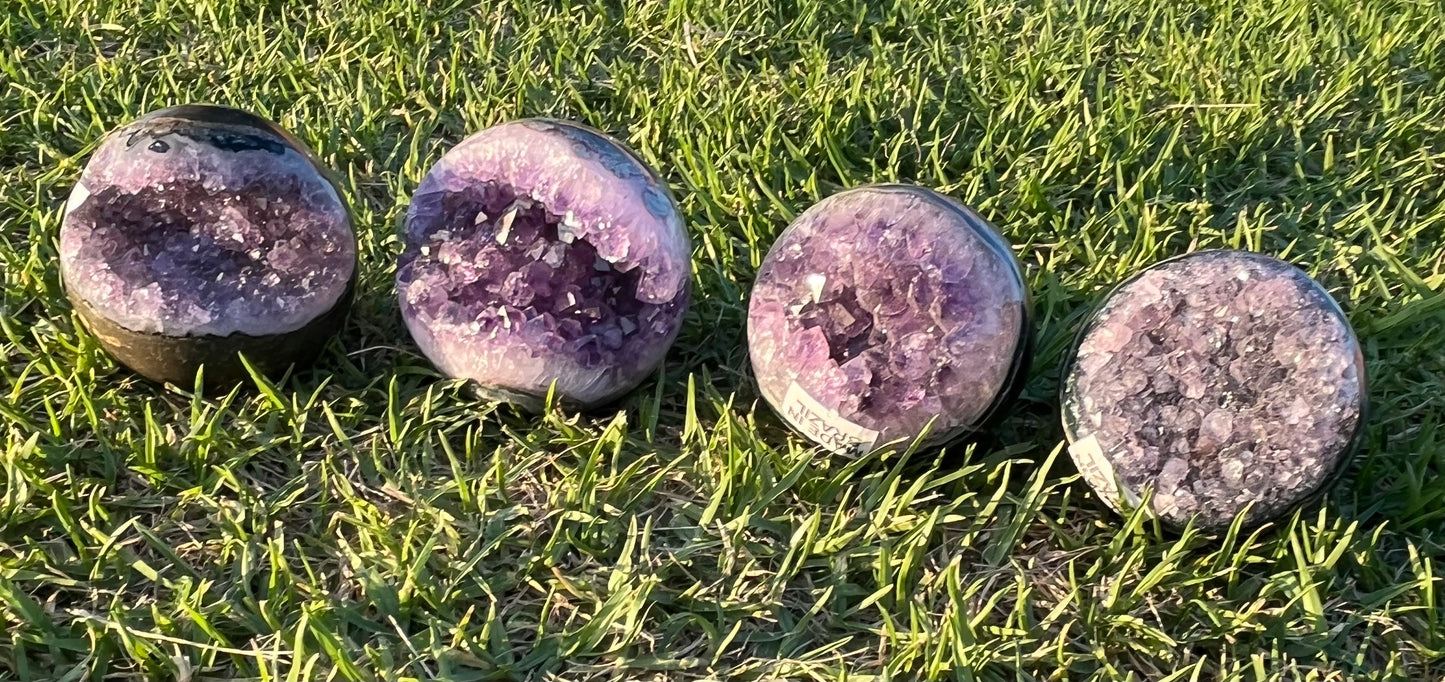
x=541 y=251
x=1224 y=381
x=205 y=225
x=885 y=309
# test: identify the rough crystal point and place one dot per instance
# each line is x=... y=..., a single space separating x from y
x=541 y=251
x=1224 y=381
x=885 y=310
x=200 y=232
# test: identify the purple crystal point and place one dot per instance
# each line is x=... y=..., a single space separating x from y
x=198 y=232
x=541 y=251
x=1224 y=381
x=886 y=309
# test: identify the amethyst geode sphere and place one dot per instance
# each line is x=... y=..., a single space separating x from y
x=541 y=251
x=200 y=233
x=884 y=311
x=1223 y=381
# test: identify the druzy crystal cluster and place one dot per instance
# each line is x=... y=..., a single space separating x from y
x=885 y=310
x=207 y=223
x=1223 y=381
x=540 y=251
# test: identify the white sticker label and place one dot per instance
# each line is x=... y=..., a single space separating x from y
x=824 y=425
x=1090 y=460
x=77 y=197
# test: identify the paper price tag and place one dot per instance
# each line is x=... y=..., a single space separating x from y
x=1097 y=470
x=77 y=197
x=824 y=425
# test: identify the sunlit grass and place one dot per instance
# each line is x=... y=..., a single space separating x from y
x=367 y=520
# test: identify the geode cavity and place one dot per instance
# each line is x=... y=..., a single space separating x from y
x=884 y=311
x=201 y=233
x=542 y=251
x=1225 y=382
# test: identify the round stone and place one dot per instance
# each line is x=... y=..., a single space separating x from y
x=886 y=311
x=1224 y=382
x=198 y=234
x=542 y=253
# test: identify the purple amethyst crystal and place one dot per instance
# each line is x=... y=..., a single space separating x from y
x=1224 y=381
x=199 y=232
x=541 y=251
x=884 y=311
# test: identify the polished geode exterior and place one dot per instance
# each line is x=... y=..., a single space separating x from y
x=1224 y=381
x=203 y=221
x=541 y=251
x=885 y=310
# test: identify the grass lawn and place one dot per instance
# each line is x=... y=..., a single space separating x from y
x=367 y=519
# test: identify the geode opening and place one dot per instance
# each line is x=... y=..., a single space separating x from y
x=198 y=233
x=886 y=310
x=496 y=261
x=1223 y=381
x=539 y=251
x=199 y=260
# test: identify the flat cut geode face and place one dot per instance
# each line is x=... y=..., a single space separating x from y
x=205 y=221
x=883 y=309
x=541 y=251
x=1222 y=380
